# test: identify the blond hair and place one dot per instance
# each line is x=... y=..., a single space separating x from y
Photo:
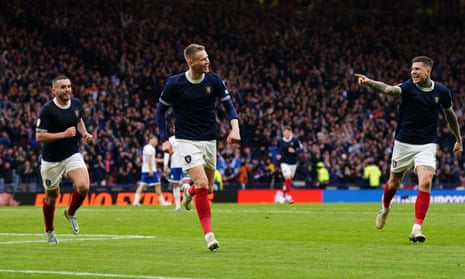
x=191 y=49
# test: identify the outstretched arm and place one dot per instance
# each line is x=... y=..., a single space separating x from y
x=378 y=86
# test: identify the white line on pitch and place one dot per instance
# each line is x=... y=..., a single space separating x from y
x=81 y=237
x=88 y=274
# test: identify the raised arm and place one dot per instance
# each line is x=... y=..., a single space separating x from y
x=378 y=86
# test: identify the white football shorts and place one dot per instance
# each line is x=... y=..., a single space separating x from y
x=288 y=170
x=52 y=172
x=405 y=156
x=197 y=153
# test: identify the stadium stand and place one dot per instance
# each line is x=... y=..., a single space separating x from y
x=285 y=63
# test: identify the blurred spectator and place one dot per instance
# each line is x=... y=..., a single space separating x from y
x=322 y=175
x=28 y=177
x=372 y=174
x=448 y=178
x=98 y=171
x=229 y=177
x=243 y=174
x=218 y=181
x=8 y=177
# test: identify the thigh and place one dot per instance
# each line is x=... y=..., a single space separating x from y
x=199 y=176
x=209 y=154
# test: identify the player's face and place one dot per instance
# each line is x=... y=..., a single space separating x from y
x=154 y=142
x=287 y=134
x=200 y=62
x=419 y=73
x=62 y=90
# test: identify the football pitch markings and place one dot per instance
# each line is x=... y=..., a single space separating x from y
x=88 y=274
x=40 y=237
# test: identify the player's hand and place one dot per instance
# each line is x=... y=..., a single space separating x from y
x=458 y=149
x=362 y=79
x=234 y=137
x=167 y=147
x=70 y=132
x=88 y=137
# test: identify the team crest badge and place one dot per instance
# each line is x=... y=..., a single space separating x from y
x=436 y=100
x=394 y=164
x=188 y=159
x=48 y=182
x=208 y=89
x=76 y=112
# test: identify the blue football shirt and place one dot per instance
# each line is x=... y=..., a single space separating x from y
x=418 y=112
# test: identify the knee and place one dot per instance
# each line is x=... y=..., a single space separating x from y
x=394 y=182
x=51 y=198
x=425 y=185
x=82 y=188
x=201 y=183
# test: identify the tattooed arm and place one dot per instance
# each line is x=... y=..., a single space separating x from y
x=379 y=86
x=454 y=126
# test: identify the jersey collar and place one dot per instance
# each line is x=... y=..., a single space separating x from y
x=426 y=89
x=194 y=81
x=67 y=106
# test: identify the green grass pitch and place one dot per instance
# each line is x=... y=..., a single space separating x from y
x=257 y=241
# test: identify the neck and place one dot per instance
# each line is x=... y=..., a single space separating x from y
x=193 y=75
x=426 y=83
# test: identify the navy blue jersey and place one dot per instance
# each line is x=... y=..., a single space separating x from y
x=194 y=104
x=54 y=119
x=418 y=112
x=283 y=147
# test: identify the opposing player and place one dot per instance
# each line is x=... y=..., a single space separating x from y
x=60 y=128
x=149 y=174
x=416 y=135
x=172 y=164
x=288 y=149
x=193 y=96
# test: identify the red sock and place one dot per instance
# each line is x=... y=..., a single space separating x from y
x=49 y=216
x=76 y=201
x=287 y=186
x=388 y=195
x=421 y=206
x=203 y=209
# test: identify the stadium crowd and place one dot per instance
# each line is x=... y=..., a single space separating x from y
x=282 y=66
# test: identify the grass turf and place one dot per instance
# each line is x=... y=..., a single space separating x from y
x=257 y=241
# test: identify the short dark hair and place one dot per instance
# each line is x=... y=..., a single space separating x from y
x=57 y=78
x=425 y=60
